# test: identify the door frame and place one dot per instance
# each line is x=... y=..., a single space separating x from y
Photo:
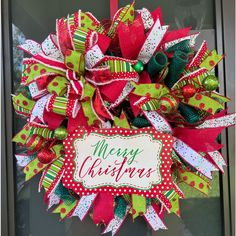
x=225 y=42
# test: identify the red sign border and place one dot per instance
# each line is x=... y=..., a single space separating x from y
x=165 y=168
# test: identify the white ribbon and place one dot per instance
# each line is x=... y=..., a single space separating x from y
x=23 y=159
x=115 y=223
x=146 y=18
x=53 y=200
x=218 y=160
x=31 y=47
x=50 y=48
x=191 y=38
x=158 y=122
x=38 y=109
x=93 y=56
x=224 y=121
x=35 y=92
x=153 y=40
x=193 y=158
x=83 y=206
x=153 y=219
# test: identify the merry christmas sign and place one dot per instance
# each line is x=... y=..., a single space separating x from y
x=118 y=161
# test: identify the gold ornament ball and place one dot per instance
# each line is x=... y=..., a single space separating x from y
x=60 y=133
x=210 y=83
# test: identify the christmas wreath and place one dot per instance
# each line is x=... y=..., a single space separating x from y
x=119 y=113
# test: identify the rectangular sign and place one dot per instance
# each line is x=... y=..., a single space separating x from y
x=118 y=161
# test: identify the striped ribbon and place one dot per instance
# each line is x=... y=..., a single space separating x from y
x=84 y=38
x=43 y=132
x=53 y=175
x=63 y=106
x=124 y=14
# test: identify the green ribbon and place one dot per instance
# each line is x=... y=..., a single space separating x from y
x=204 y=103
x=58 y=86
x=21 y=137
x=152 y=90
x=211 y=60
x=33 y=168
x=75 y=61
x=64 y=194
x=138 y=205
x=126 y=14
x=121 y=121
x=86 y=103
x=37 y=70
x=22 y=104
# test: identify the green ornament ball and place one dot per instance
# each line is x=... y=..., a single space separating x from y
x=210 y=83
x=138 y=67
x=60 y=133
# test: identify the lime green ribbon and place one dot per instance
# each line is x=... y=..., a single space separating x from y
x=58 y=85
x=121 y=121
x=194 y=180
x=22 y=136
x=65 y=208
x=126 y=14
x=138 y=205
x=150 y=90
x=211 y=60
x=205 y=103
x=22 y=104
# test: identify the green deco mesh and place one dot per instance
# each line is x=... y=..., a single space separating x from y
x=64 y=194
x=181 y=46
x=120 y=209
x=189 y=113
x=179 y=61
x=140 y=122
x=157 y=63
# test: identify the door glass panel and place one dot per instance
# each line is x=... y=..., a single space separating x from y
x=35 y=20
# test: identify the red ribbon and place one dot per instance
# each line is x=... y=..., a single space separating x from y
x=201 y=140
x=113 y=8
x=103 y=208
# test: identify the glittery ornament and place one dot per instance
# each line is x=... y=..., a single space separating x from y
x=168 y=104
x=60 y=133
x=46 y=156
x=188 y=91
x=210 y=83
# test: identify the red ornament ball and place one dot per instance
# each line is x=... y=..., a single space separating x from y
x=46 y=156
x=188 y=91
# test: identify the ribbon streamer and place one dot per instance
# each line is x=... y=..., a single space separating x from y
x=193 y=158
x=158 y=122
x=153 y=219
x=83 y=206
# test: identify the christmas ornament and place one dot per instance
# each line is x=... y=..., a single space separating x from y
x=119 y=113
x=45 y=156
x=210 y=83
x=60 y=133
x=189 y=90
x=138 y=67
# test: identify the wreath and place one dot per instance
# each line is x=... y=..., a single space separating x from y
x=119 y=113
